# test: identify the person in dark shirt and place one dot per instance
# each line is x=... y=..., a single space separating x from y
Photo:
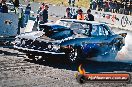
x=3 y=7
x=27 y=14
x=69 y=1
x=89 y=17
x=68 y=14
x=16 y=5
x=0 y=7
x=28 y=9
x=45 y=14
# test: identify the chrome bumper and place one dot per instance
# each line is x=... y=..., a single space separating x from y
x=32 y=50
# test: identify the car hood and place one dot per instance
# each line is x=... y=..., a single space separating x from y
x=31 y=35
x=47 y=39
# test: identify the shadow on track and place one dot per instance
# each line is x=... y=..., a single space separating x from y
x=88 y=65
x=8 y=53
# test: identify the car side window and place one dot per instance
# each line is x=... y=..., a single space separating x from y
x=103 y=30
x=95 y=31
x=99 y=30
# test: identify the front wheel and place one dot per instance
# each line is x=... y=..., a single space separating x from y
x=31 y=56
x=111 y=53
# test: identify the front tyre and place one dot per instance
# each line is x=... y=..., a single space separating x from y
x=111 y=53
x=31 y=56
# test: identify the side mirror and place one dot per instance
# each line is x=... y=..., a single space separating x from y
x=123 y=34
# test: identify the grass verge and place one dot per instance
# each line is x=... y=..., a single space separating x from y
x=80 y=3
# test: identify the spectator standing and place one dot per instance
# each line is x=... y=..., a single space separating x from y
x=68 y=15
x=21 y=19
x=94 y=5
x=89 y=16
x=16 y=5
x=38 y=15
x=69 y=1
x=73 y=3
x=42 y=6
x=74 y=14
x=115 y=6
x=118 y=7
x=111 y=6
x=45 y=14
x=27 y=13
x=106 y=6
x=80 y=15
x=100 y=5
x=122 y=7
x=130 y=7
x=0 y=7
x=91 y=4
x=4 y=8
x=127 y=9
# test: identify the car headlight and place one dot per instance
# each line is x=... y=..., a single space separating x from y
x=49 y=46
x=17 y=41
x=56 y=47
x=23 y=42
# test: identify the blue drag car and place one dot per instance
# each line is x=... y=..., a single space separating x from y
x=73 y=39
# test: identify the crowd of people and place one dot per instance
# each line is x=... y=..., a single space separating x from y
x=79 y=15
x=114 y=6
x=42 y=16
x=23 y=15
x=42 y=13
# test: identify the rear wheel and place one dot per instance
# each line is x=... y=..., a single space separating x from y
x=73 y=56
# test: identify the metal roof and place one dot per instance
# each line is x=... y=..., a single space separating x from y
x=83 y=21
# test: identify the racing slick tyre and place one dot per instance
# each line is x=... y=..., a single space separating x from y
x=81 y=79
x=31 y=56
x=73 y=56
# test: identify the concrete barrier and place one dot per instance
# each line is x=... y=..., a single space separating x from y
x=114 y=20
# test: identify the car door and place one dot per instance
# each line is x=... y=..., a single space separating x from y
x=106 y=37
x=95 y=39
